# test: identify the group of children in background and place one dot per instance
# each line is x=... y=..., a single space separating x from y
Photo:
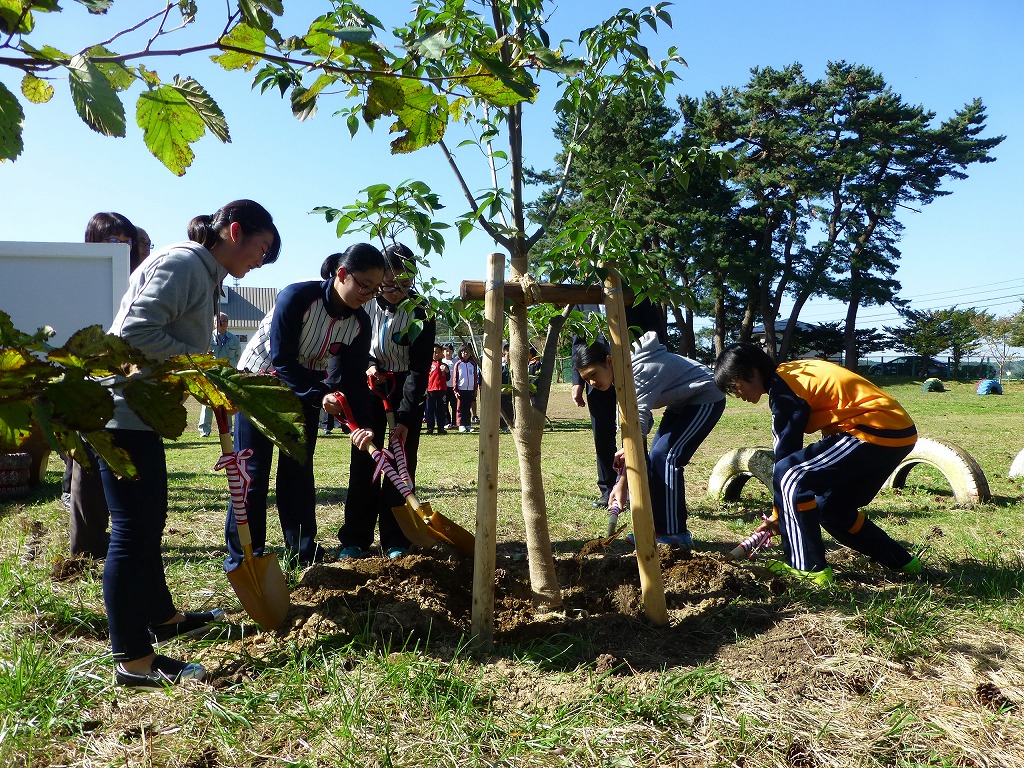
x=349 y=334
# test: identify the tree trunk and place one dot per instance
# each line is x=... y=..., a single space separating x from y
x=528 y=433
x=851 y=356
x=687 y=339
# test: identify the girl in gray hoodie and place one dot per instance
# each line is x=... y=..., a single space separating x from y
x=693 y=405
x=168 y=310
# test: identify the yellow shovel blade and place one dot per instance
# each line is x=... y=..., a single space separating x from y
x=262 y=590
x=414 y=526
x=425 y=527
x=453 y=534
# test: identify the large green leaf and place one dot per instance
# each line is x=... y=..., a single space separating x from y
x=103 y=443
x=205 y=107
x=118 y=75
x=14 y=19
x=12 y=118
x=432 y=45
x=422 y=117
x=79 y=403
x=248 y=38
x=352 y=34
x=169 y=125
x=269 y=404
x=21 y=374
x=198 y=384
x=95 y=100
x=491 y=88
x=98 y=352
x=516 y=80
x=160 y=404
x=383 y=97
x=35 y=89
x=15 y=424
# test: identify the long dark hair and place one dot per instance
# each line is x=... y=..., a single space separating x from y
x=356 y=258
x=102 y=226
x=249 y=215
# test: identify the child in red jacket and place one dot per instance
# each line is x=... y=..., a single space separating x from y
x=437 y=393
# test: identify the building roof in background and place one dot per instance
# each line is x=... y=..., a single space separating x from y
x=780 y=327
x=245 y=307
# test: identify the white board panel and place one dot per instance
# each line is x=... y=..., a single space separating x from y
x=64 y=285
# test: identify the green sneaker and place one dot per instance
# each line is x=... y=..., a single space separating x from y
x=914 y=567
x=822 y=578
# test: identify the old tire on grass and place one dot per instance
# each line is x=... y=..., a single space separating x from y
x=14 y=475
x=1017 y=468
x=736 y=467
x=964 y=475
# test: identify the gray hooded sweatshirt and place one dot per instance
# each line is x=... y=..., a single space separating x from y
x=168 y=310
x=667 y=380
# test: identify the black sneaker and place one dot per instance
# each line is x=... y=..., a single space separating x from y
x=164 y=671
x=603 y=501
x=192 y=625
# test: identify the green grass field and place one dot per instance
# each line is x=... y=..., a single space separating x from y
x=752 y=671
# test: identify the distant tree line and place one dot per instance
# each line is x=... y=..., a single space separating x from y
x=805 y=207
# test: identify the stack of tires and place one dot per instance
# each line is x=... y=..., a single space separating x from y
x=15 y=470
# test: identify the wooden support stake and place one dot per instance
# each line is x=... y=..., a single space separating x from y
x=652 y=586
x=482 y=627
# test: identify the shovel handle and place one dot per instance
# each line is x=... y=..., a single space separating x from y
x=224 y=429
x=374 y=451
x=346 y=411
x=382 y=384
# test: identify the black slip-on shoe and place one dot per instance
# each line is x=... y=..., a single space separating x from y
x=164 y=671
x=193 y=624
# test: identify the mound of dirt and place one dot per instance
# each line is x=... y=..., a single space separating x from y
x=426 y=599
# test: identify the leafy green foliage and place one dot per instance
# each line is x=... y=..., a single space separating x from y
x=35 y=89
x=268 y=404
x=67 y=392
x=12 y=117
x=388 y=212
x=95 y=98
x=249 y=38
x=170 y=124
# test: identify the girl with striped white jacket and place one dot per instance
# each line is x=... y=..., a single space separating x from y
x=311 y=324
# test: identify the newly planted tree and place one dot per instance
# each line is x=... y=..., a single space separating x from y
x=477 y=66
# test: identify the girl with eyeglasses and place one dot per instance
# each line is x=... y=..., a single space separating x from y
x=168 y=310
x=312 y=324
x=402 y=344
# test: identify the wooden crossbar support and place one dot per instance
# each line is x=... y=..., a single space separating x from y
x=549 y=293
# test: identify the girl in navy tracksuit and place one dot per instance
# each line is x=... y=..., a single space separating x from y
x=865 y=436
x=401 y=343
x=693 y=405
x=311 y=324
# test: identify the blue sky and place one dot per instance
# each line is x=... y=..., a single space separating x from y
x=963 y=249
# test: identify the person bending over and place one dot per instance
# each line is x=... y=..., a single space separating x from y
x=865 y=436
